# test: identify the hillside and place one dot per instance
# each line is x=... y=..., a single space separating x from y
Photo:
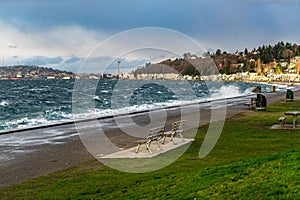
x=182 y=66
x=21 y=71
x=280 y=57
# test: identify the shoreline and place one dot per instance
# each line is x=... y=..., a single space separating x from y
x=45 y=158
x=195 y=102
x=10 y=131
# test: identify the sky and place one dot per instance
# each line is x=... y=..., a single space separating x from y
x=68 y=34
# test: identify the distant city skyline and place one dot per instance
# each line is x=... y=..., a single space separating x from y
x=61 y=34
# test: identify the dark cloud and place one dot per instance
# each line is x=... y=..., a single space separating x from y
x=43 y=60
x=229 y=25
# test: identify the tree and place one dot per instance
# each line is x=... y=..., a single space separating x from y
x=225 y=70
x=259 y=49
x=298 y=51
x=266 y=56
x=191 y=71
x=187 y=55
x=287 y=54
x=278 y=69
x=246 y=51
x=218 y=52
x=246 y=67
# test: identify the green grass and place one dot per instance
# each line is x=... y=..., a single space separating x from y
x=250 y=161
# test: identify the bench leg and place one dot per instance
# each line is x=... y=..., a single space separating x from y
x=294 y=121
x=148 y=147
x=181 y=137
x=172 y=139
x=137 y=148
x=158 y=145
x=164 y=140
x=281 y=123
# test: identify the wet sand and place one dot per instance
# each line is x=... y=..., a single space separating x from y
x=35 y=156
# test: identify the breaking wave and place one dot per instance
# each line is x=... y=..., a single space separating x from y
x=39 y=102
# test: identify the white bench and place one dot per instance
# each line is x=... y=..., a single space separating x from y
x=155 y=134
x=177 y=128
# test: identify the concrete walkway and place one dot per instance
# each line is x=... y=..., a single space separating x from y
x=144 y=153
x=285 y=127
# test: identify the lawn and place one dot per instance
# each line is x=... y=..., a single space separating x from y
x=250 y=161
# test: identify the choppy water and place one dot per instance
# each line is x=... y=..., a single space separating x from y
x=33 y=102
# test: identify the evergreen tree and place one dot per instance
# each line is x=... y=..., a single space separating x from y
x=218 y=52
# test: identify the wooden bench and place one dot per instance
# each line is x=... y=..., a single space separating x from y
x=281 y=121
x=155 y=134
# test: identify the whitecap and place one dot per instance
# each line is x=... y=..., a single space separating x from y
x=3 y=103
x=226 y=92
x=104 y=91
x=96 y=98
